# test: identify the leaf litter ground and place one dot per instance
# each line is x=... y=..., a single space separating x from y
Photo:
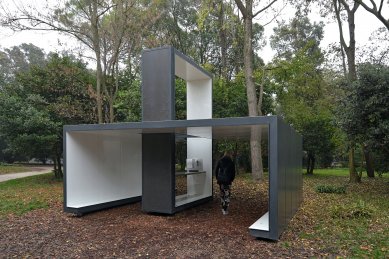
x=127 y=232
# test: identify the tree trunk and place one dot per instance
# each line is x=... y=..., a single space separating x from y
x=354 y=177
x=310 y=163
x=313 y=160
x=96 y=45
x=223 y=42
x=59 y=170
x=55 y=164
x=111 y=110
x=98 y=90
x=256 y=154
x=255 y=139
x=369 y=162
x=352 y=72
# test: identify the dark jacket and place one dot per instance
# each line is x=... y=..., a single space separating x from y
x=226 y=165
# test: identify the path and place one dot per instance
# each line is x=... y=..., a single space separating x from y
x=34 y=171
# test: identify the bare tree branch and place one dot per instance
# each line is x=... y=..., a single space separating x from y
x=265 y=8
x=339 y=20
x=275 y=16
x=241 y=7
x=373 y=10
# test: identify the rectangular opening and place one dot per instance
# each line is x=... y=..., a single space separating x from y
x=191 y=183
x=237 y=139
x=180 y=98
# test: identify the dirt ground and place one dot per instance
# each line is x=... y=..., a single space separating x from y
x=127 y=232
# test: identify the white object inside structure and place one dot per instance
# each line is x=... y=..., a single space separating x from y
x=262 y=223
x=194 y=164
x=102 y=166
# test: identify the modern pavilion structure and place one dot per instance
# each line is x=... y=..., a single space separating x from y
x=107 y=165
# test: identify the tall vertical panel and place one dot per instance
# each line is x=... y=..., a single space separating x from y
x=282 y=147
x=289 y=186
x=158 y=91
x=158 y=155
x=273 y=178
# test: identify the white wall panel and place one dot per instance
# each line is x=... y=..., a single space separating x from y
x=199 y=99
x=200 y=148
x=102 y=166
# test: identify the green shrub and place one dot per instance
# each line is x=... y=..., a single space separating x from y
x=330 y=189
x=358 y=209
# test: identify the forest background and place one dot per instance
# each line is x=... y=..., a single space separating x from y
x=336 y=96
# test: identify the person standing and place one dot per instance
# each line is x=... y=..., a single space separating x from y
x=225 y=175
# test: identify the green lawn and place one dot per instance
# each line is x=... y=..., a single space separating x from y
x=331 y=172
x=340 y=172
x=9 y=169
x=21 y=195
x=355 y=223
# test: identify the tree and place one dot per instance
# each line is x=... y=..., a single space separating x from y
x=301 y=101
x=290 y=38
x=340 y=6
x=364 y=114
x=254 y=104
x=19 y=59
x=14 y=60
x=42 y=100
x=26 y=130
x=105 y=27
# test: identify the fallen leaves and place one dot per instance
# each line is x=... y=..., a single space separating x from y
x=200 y=232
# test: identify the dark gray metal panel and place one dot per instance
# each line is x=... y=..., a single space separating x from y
x=282 y=163
x=158 y=173
x=158 y=91
x=299 y=151
x=294 y=176
x=289 y=173
x=262 y=234
x=273 y=184
x=64 y=170
x=236 y=121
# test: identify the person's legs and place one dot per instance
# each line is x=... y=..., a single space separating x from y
x=225 y=196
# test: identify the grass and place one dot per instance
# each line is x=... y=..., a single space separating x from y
x=19 y=196
x=350 y=224
x=339 y=172
x=331 y=172
x=10 y=169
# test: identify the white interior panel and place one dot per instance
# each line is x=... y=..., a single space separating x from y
x=262 y=223
x=102 y=166
x=200 y=184
x=187 y=71
x=199 y=99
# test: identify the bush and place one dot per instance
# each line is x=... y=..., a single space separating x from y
x=359 y=209
x=330 y=189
